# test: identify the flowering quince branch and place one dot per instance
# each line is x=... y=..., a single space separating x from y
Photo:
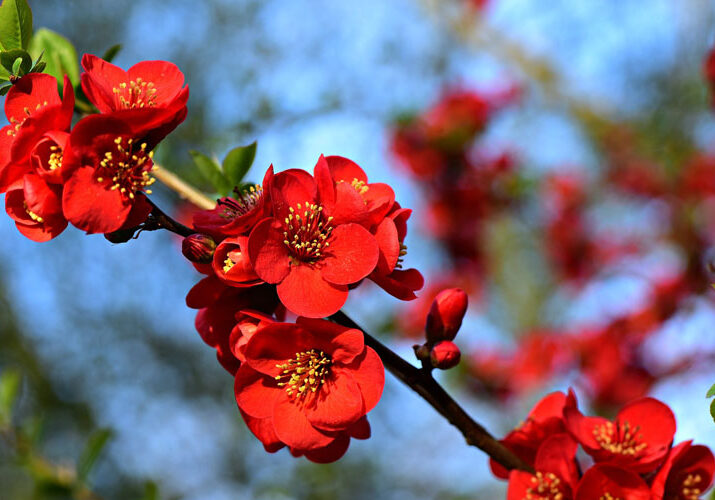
x=422 y=382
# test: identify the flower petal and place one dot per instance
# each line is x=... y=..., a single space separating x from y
x=352 y=255
x=306 y=293
x=293 y=427
x=338 y=403
x=255 y=393
x=269 y=255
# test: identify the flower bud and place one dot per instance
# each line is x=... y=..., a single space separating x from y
x=445 y=315
x=445 y=355
x=422 y=352
x=198 y=248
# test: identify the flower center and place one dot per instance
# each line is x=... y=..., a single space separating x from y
x=247 y=200
x=32 y=214
x=228 y=264
x=305 y=373
x=127 y=167
x=17 y=123
x=619 y=438
x=544 y=487
x=608 y=496
x=359 y=186
x=135 y=94
x=401 y=257
x=306 y=231
x=690 y=488
x=55 y=160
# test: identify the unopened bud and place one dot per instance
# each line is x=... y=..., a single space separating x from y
x=445 y=355
x=421 y=351
x=445 y=315
x=198 y=248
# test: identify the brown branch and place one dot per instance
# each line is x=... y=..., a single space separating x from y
x=422 y=382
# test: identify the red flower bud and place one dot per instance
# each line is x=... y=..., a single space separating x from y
x=445 y=315
x=198 y=248
x=445 y=355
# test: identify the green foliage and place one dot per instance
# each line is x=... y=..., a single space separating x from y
x=112 y=52
x=9 y=389
x=58 y=53
x=228 y=175
x=15 y=24
x=711 y=393
x=237 y=163
x=94 y=447
x=16 y=61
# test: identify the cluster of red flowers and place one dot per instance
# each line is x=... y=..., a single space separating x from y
x=94 y=174
x=632 y=457
x=298 y=243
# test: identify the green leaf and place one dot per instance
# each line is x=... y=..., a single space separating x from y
x=9 y=389
x=60 y=55
x=237 y=163
x=96 y=443
x=711 y=392
x=112 y=52
x=5 y=88
x=211 y=170
x=712 y=410
x=151 y=491
x=15 y=24
x=9 y=58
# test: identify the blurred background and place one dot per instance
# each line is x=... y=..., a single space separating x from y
x=580 y=137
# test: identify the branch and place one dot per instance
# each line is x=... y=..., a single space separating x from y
x=184 y=190
x=422 y=383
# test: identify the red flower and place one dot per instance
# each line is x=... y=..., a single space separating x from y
x=311 y=258
x=309 y=383
x=236 y=216
x=556 y=472
x=609 y=482
x=390 y=234
x=639 y=438
x=232 y=265
x=686 y=474
x=150 y=93
x=36 y=208
x=543 y=421
x=107 y=171
x=446 y=313
x=38 y=118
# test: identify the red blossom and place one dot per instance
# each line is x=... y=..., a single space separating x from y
x=107 y=170
x=36 y=208
x=686 y=474
x=310 y=384
x=150 y=94
x=446 y=313
x=236 y=216
x=638 y=438
x=232 y=265
x=556 y=472
x=445 y=355
x=609 y=482
x=544 y=420
x=301 y=249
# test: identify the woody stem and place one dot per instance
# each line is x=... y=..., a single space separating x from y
x=422 y=382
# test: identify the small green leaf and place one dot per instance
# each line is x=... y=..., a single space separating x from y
x=237 y=163
x=712 y=410
x=5 y=88
x=151 y=491
x=112 y=52
x=96 y=443
x=9 y=389
x=58 y=54
x=211 y=170
x=9 y=61
x=711 y=392
x=39 y=67
x=15 y=24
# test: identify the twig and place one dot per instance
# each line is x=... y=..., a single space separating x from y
x=184 y=190
x=422 y=383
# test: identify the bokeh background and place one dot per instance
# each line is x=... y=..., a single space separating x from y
x=101 y=333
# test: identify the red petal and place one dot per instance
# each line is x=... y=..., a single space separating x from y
x=262 y=428
x=293 y=428
x=341 y=343
x=369 y=372
x=400 y=283
x=269 y=255
x=520 y=482
x=255 y=393
x=556 y=454
x=619 y=483
x=306 y=293
x=656 y=421
x=91 y=207
x=360 y=429
x=329 y=453
x=337 y=404
x=30 y=94
x=99 y=79
x=205 y=292
x=274 y=345
x=168 y=80
x=581 y=428
x=346 y=170
x=352 y=255
x=389 y=244
x=326 y=186
x=289 y=188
